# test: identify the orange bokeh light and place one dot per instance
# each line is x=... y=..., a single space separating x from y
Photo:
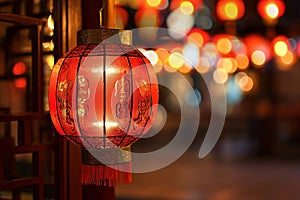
x=198 y=37
x=242 y=61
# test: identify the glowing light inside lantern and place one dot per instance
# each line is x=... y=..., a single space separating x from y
x=108 y=124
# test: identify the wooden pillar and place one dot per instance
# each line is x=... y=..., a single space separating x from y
x=90 y=14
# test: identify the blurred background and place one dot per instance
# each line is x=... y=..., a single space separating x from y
x=252 y=47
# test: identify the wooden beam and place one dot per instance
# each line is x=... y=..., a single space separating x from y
x=13 y=18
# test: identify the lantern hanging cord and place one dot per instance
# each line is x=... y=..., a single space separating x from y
x=100 y=13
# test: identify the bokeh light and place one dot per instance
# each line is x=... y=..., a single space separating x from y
x=175 y=4
x=152 y=56
x=242 y=61
x=224 y=45
x=191 y=54
x=187 y=8
x=246 y=83
x=204 y=19
x=230 y=9
x=258 y=58
x=176 y=60
x=19 y=68
x=153 y=3
x=179 y=24
x=260 y=45
x=272 y=10
x=220 y=76
x=228 y=64
x=280 y=48
x=198 y=36
x=20 y=83
x=287 y=61
x=147 y=17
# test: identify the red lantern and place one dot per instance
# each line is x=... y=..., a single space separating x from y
x=101 y=97
x=230 y=10
x=270 y=10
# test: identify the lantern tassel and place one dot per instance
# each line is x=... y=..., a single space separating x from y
x=104 y=175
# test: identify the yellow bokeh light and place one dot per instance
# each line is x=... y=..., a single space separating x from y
x=153 y=3
x=242 y=61
x=187 y=8
x=229 y=64
x=280 y=48
x=224 y=45
x=258 y=58
x=176 y=60
x=231 y=10
x=196 y=38
x=272 y=10
x=220 y=76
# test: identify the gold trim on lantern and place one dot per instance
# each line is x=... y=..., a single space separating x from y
x=109 y=156
x=96 y=36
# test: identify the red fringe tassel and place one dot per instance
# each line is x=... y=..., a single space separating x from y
x=103 y=175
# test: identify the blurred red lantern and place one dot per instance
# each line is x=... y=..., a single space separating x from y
x=101 y=98
x=230 y=10
x=259 y=46
x=270 y=10
x=177 y=3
